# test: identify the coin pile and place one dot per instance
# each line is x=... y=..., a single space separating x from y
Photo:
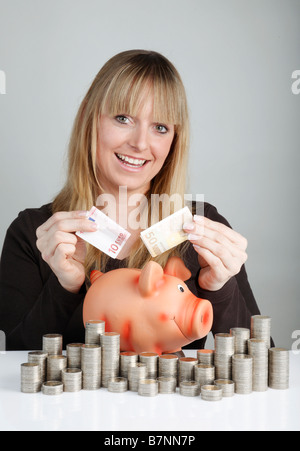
x=167 y=384
x=224 y=350
x=211 y=393
x=206 y=356
x=136 y=373
x=168 y=365
x=186 y=369
x=151 y=361
x=204 y=374
x=110 y=344
x=74 y=355
x=189 y=388
x=52 y=344
x=93 y=330
x=117 y=385
x=242 y=373
x=261 y=328
x=52 y=388
x=127 y=358
x=72 y=379
x=30 y=378
x=227 y=387
x=55 y=365
x=241 y=335
x=91 y=367
x=278 y=368
x=259 y=351
x=40 y=358
x=148 y=387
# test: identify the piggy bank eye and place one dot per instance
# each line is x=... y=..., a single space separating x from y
x=180 y=288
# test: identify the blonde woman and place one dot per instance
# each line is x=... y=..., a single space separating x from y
x=132 y=131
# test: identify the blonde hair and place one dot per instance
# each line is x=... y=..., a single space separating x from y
x=118 y=88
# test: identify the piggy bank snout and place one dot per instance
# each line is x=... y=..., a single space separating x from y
x=197 y=321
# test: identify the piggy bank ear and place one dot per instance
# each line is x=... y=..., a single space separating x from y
x=175 y=267
x=150 y=276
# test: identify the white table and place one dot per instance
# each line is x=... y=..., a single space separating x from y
x=104 y=411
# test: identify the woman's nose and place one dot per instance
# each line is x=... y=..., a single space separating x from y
x=139 y=138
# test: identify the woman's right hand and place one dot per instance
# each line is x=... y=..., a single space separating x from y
x=63 y=250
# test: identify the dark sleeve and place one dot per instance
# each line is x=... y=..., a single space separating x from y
x=234 y=304
x=32 y=301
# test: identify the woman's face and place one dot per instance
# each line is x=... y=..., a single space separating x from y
x=131 y=150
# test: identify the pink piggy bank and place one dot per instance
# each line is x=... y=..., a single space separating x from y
x=152 y=309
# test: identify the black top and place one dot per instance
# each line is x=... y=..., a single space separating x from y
x=33 y=303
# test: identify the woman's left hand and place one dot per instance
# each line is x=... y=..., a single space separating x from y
x=221 y=251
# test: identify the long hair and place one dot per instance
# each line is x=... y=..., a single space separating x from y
x=118 y=88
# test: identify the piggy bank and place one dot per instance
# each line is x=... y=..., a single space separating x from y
x=152 y=309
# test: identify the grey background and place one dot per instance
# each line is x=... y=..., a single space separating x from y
x=236 y=59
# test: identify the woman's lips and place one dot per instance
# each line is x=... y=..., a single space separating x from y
x=130 y=162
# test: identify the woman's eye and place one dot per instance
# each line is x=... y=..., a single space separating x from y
x=161 y=128
x=122 y=119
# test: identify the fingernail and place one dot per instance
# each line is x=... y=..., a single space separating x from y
x=188 y=226
x=82 y=213
x=193 y=237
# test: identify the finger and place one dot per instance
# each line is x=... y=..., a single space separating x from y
x=59 y=216
x=53 y=240
x=219 y=251
x=213 y=262
x=218 y=227
x=62 y=253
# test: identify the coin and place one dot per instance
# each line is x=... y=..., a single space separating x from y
x=72 y=379
x=186 y=369
x=91 y=366
x=168 y=365
x=205 y=356
x=52 y=344
x=148 y=387
x=110 y=343
x=52 y=388
x=242 y=373
x=151 y=361
x=211 y=393
x=189 y=388
x=166 y=384
x=224 y=350
x=257 y=348
x=93 y=330
x=39 y=357
x=204 y=374
x=117 y=385
x=278 y=368
x=127 y=358
x=55 y=364
x=30 y=378
x=74 y=355
x=242 y=336
x=135 y=374
x=227 y=387
x=261 y=328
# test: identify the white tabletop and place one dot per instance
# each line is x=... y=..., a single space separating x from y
x=102 y=410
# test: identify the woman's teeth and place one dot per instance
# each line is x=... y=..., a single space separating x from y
x=131 y=161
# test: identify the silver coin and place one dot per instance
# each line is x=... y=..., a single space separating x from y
x=166 y=384
x=261 y=328
x=39 y=357
x=136 y=373
x=55 y=365
x=52 y=388
x=242 y=373
x=53 y=344
x=186 y=369
x=168 y=365
x=151 y=361
x=110 y=344
x=258 y=349
x=91 y=366
x=127 y=358
x=73 y=351
x=206 y=356
x=211 y=393
x=278 y=368
x=227 y=387
x=148 y=387
x=30 y=378
x=117 y=385
x=72 y=379
x=224 y=350
x=93 y=330
x=204 y=374
x=242 y=336
x=189 y=388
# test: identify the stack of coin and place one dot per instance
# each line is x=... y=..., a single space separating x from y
x=224 y=350
x=211 y=393
x=151 y=361
x=52 y=388
x=206 y=356
x=91 y=367
x=74 y=355
x=148 y=387
x=127 y=358
x=242 y=373
x=259 y=351
x=227 y=387
x=278 y=368
x=186 y=369
x=242 y=336
x=166 y=384
x=261 y=328
x=135 y=374
x=110 y=343
x=55 y=365
x=39 y=357
x=168 y=365
x=117 y=385
x=93 y=330
x=52 y=344
x=204 y=374
x=189 y=388
x=30 y=378
x=72 y=379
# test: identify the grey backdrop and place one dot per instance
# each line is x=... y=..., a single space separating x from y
x=236 y=59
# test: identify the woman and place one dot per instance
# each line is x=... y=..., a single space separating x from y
x=131 y=131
